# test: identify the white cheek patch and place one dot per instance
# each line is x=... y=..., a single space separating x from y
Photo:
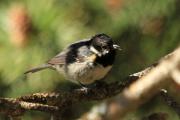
x=95 y=51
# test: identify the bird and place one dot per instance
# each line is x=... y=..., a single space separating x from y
x=84 y=62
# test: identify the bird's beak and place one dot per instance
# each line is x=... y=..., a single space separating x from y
x=117 y=47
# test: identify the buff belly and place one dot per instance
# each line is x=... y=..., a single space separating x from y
x=84 y=73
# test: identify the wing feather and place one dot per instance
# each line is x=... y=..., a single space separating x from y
x=59 y=59
x=74 y=52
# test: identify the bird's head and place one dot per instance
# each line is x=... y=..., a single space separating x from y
x=102 y=44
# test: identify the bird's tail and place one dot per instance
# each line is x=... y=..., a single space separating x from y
x=36 y=69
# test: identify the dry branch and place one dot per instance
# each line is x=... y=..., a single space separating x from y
x=56 y=102
x=147 y=86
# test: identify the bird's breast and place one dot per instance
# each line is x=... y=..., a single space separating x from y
x=86 y=73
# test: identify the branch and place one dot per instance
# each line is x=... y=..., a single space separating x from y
x=147 y=86
x=57 y=102
x=15 y=107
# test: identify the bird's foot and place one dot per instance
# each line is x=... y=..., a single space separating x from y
x=85 y=89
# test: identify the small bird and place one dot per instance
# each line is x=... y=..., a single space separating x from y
x=85 y=61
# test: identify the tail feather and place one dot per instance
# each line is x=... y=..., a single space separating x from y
x=36 y=69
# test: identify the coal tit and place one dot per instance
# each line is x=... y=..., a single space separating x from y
x=85 y=61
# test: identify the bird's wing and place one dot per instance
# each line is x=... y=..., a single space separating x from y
x=76 y=52
x=59 y=59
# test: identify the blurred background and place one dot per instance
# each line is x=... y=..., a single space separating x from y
x=32 y=31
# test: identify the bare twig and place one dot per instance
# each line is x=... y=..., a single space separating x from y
x=15 y=107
